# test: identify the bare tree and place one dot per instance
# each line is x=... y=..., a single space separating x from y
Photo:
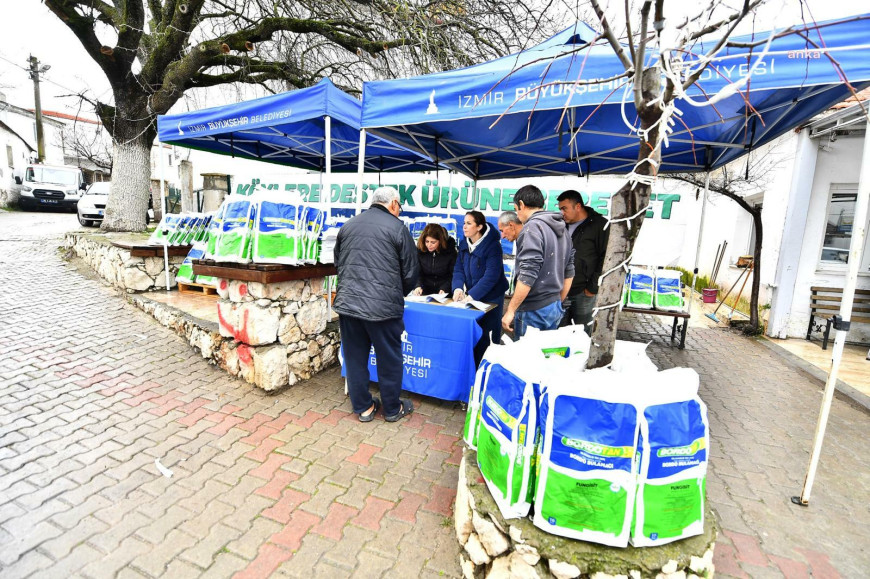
x=153 y=51
x=736 y=181
x=656 y=89
x=87 y=141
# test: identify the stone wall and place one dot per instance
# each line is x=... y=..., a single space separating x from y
x=116 y=266
x=279 y=333
x=494 y=548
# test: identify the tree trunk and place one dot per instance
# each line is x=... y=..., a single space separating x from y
x=754 y=322
x=625 y=203
x=131 y=179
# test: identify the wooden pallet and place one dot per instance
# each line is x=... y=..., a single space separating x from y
x=196 y=288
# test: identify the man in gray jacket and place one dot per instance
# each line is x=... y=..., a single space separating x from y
x=544 y=266
x=377 y=266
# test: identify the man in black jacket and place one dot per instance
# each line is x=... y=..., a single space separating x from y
x=589 y=237
x=377 y=266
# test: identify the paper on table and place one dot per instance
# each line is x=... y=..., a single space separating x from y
x=440 y=298
x=470 y=304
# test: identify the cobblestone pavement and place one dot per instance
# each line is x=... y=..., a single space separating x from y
x=93 y=392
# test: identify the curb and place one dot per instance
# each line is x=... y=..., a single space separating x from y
x=795 y=361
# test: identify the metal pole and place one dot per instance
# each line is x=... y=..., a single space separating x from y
x=841 y=322
x=163 y=214
x=360 y=171
x=700 y=238
x=326 y=200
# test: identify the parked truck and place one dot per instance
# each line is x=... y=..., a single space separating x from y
x=44 y=186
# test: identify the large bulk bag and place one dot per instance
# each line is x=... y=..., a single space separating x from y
x=506 y=439
x=276 y=237
x=669 y=293
x=586 y=479
x=640 y=289
x=672 y=470
x=234 y=243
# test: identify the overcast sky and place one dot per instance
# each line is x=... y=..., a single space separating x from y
x=34 y=30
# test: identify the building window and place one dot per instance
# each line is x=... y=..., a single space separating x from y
x=10 y=158
x=838 y=225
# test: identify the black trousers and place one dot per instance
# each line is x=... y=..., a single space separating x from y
x=490 y=323
x=357 y=338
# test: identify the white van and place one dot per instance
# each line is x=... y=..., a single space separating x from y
x=51 y=186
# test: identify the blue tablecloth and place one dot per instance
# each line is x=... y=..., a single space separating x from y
x=438 y=351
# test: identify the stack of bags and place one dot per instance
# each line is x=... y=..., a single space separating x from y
x=647 y=289
x=610 y=455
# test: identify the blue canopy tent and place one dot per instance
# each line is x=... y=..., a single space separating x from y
x=451 y=116
x=290 y=129
x=315 y=128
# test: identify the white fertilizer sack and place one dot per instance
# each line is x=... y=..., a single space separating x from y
x=586 y=459
x=276 y=238
x=234 y=243
x=669 y=293
x=674 y=447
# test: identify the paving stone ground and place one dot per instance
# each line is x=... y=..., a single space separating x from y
x=94 y=392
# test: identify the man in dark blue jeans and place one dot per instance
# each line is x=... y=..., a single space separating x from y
x=377 y=266
x=544 y=266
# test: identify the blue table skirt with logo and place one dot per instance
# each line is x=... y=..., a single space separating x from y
x=438 y=351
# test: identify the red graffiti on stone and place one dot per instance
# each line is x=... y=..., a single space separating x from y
x=245 y=356
x=224 y=284
x=240 y=333
x=243 y=289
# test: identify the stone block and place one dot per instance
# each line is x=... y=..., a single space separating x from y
x=476 y=553
x=300 y=364
x=153 y=266
x=265 y=366
x=462 y=510
x=491 y=538
x=132 y=279
x=288 y=329
x=286 y=290
x=248 y=323
x=312 y=317
x=238 y=291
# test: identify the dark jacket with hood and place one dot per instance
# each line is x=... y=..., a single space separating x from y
x=436 y=268
x=377 y=266
x=481 y=272
x=590 y=243
x=545 y=259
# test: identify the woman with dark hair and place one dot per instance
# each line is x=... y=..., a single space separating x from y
x=479 y=275
x=436 y=252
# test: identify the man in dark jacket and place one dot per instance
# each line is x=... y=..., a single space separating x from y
x=377 y=266
x=544 y=266
x=589 y=238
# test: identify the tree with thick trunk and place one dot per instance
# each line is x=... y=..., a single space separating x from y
x=153 y=51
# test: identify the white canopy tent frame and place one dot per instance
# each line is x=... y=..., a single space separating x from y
x=841 y=326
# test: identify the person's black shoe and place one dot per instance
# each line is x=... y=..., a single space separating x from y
x=406 y=407
x=376 y=405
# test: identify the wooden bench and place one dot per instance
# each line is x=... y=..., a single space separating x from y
x=825 y=303
x=677 y=317
x=261 y=272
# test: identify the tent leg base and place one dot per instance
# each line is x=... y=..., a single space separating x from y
x=799 y=502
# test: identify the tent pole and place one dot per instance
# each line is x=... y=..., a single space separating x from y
x=700 y=237
x=841 y=325
x=163 y=214
x=360 y=171
x=327 y=191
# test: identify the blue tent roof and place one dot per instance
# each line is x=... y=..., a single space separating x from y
x=289 y=129
x=449 y=116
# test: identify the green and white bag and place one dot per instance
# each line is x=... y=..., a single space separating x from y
x=672 y=475
x=276 y=237
x=640 y=289
x=234 y=243
x=185 y=270
x=586 y=479
x=213 y=232
x=472 y=414
x=168 y=223
x=669 y=293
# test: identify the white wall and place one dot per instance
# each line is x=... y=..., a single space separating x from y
x=838 y=162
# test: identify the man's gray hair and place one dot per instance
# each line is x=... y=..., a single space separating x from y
x=384 y=195
x=509 y=217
